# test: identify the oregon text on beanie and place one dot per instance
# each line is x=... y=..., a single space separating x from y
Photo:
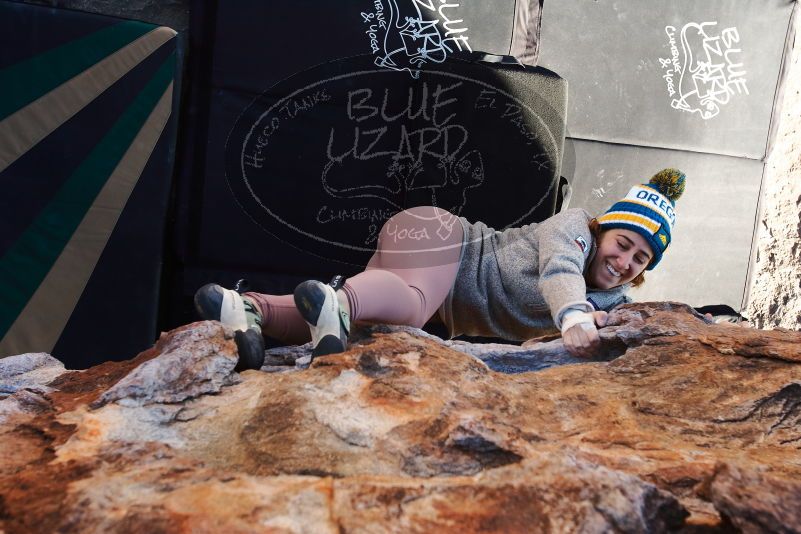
x=649 y=210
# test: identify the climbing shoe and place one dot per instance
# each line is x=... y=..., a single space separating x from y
x=329 y=323
x=214 y=302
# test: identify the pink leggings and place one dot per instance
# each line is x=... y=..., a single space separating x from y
x=405 y=282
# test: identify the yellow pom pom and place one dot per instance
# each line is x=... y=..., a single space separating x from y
x=669 y=182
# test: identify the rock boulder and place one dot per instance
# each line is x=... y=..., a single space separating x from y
x=678 y=425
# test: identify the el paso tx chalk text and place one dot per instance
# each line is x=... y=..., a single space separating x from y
x=488 y=100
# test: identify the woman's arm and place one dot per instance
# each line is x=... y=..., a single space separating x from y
x=563 y=251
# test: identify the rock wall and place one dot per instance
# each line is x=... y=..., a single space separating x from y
x=775 y=294
x=679 y=425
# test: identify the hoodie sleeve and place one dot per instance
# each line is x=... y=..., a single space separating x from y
x=564 y=243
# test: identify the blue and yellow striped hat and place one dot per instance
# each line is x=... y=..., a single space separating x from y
x=649 y=210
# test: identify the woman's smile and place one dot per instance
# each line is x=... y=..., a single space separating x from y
x=621 y=255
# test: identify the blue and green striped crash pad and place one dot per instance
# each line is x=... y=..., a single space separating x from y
x=86 y=143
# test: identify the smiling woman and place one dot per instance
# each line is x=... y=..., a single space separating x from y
x=621 y=258
x=565 y=272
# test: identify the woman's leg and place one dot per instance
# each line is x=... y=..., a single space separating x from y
x=412 y=270
x=405 y=282
x=280 y=319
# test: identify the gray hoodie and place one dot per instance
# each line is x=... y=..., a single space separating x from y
x=516 y=283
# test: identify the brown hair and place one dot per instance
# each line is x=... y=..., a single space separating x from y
x=595 y=228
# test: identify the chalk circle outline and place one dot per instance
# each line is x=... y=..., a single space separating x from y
x=277 y=105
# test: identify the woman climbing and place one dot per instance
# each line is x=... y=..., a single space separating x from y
x=565 y=272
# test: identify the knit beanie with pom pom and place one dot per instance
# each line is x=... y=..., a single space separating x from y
x=649 y=210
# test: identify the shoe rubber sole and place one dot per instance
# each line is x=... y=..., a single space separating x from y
x=250 y=346
x=319 y=307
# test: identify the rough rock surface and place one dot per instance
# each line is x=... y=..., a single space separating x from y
x=775 y=294
x=28 y=372
x=680 y=425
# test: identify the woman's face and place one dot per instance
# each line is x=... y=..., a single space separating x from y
x=621 y=256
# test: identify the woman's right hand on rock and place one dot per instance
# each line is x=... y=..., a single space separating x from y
x=582 y=339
